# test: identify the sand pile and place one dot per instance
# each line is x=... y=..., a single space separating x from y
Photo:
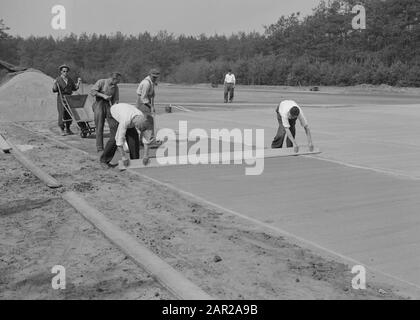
x=28 y=96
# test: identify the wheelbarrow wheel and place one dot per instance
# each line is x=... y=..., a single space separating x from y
x=83 y=134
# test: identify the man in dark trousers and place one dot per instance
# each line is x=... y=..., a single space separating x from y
x=288 y=112
x=64 y=85
x=146 y=93
x=124 y=122
x=106 y=93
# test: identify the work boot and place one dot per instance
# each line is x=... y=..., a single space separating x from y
x=69 y=132
x=63 y=133
x=108 y=165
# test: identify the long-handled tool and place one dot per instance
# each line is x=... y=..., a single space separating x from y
x=157 y=143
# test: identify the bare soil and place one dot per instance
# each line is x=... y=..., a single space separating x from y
x=40 y=230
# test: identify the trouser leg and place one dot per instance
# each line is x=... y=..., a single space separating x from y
x=232 y=90
x=67 y=119
x=226 y=92
x=281 y=133
x=99 y=116
x=279 y=138
x=60 y=110
x=111 y=145
x=132 y=138
x=293 y=131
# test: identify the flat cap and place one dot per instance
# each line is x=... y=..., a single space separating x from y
x=154 y=72
x=63 y=66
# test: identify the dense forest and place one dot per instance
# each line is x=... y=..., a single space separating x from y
x=318 y=49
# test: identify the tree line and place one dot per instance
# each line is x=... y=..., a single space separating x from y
x=321 y=48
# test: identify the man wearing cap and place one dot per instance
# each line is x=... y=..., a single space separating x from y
x=64 y=85
x=146 y=93
x=288 y=112
x=126 y=120
x=106 y=93
x=229 y=86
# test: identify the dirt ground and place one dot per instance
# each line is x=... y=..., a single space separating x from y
x=227 y=257
x=40 y=230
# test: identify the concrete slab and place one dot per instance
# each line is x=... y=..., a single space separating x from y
x=367 y=216
x=378 y=138
x=182 y=95
x=358 y=199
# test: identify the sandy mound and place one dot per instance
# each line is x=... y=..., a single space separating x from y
x=28 y=96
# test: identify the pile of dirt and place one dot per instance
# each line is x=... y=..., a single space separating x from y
x=28 y=96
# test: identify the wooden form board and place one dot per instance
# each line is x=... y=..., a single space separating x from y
x=223 y=158
x=170 y=278
x=43 y=176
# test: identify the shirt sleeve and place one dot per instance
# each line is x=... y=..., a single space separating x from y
x=234 y=79
x=138 y=91
x=302 y=119
x=55 y=86
x=143 y=90
x=120 y=135
x=147 y=136
x=97 y=88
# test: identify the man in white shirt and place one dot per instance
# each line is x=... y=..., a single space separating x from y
x=126 y=120
x=288 y=112
x=229 y=86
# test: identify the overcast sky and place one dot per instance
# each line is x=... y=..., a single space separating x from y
x=190 y=17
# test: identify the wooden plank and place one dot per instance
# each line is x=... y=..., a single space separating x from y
x=43 y=176
x=4 y=145
x=224 y=157
x=287 y=152
x=159 y=269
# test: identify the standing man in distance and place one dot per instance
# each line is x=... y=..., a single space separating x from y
x=288 y=112
x=146 y=94
x=106 y=93
x=229 y=86
x=64 y=85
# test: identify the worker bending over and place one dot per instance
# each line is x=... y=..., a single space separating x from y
x=124 y=123
x=288 y=112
